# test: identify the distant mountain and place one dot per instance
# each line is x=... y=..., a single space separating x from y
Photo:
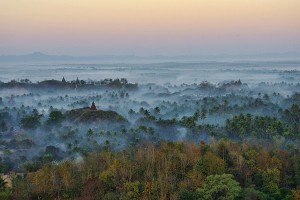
x=268 y=55
x=38 y=56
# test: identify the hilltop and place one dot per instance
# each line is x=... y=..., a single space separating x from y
x=88 y=115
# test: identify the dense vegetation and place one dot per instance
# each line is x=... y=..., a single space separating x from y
x=111 y=139
x=170 y=170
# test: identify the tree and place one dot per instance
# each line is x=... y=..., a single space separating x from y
x=210 y=164
x=293 y=117
x=146 y=113
x=251 y=193
x=31 y=121
x=131 y=112
x=3 y=126
x=219 y=187
x=82 y=82
x=271 y=179
x=55 y=118
x=188 y=121
x=142 y=110
x=93 y=189
x=157 y=110
x=90 y=132
x=203 y=114
x=132 y=190
x=185 y=194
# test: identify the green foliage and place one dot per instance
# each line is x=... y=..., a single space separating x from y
x=265 y=126
x=4 y=167
x=68 y=133
x=210 y=164
x=31 y=166
x=55 y=118
x=271 y=179
x=259 y=126
x=170 y=170
x=251 y=193
x=31 y=121
x=4 y=115
x=132 y=191
x=189 y=122
x=3 y=126
x=90 y=133
x=292 y=116
x=219 y=187
x=5 y=192
x=88 y=115
x=185 y=194
x=157 y=110
x=5 y=195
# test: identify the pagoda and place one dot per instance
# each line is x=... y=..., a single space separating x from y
x=93 y=106
x=77 y=81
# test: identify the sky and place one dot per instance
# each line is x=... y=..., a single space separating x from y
x=149 y=27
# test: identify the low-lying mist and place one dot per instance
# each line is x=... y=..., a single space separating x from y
x=50 y=120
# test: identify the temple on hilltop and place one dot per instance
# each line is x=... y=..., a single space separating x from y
x=93 y=106
x=63 y=80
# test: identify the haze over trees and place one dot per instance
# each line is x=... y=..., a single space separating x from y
x=112 y=139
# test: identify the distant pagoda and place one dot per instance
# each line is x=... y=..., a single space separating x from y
x=77 y=81
x=63 y=80
x=93 y=106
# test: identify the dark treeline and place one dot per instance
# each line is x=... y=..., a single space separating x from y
x=63 y=84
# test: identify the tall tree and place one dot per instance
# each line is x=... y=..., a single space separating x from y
x=219 y=187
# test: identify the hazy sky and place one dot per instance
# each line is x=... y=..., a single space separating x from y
x=149 y=27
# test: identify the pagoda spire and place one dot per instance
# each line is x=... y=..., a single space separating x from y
x=93 y=106
x=77 y=81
